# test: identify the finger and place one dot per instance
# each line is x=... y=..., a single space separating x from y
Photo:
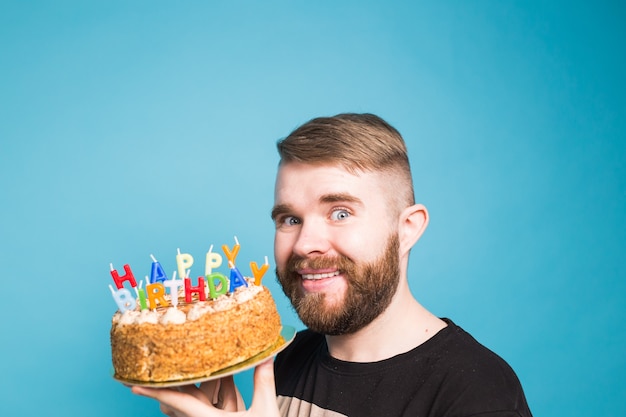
x=211 y=390
x=264 y=397
x=168 y=411
x=177 y=403
x=230 y=398
x=196 y=393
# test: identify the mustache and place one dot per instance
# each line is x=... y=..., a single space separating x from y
x=342 y=263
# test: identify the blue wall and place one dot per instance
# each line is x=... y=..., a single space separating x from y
x=131 y=128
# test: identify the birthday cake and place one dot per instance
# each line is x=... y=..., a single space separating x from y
x=176 y=330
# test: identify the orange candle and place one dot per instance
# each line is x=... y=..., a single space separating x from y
x=259 y=272
x=231 y=255
x=156 y=294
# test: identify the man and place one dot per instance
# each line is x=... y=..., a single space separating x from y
x=346 y=221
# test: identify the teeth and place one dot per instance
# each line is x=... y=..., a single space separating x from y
x=320 y=276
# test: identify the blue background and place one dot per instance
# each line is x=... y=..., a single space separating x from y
x=136 y=127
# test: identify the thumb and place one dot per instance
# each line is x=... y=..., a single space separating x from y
x=264 y=397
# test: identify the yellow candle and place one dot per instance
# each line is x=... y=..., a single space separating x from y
x=184 y=262
x=213 y=260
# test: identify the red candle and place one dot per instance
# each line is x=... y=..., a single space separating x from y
x=128 y=276
x=189 y=289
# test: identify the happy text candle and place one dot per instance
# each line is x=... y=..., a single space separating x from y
x=184 y=262
x=213 y=260
x=231 y=255
x=128 y=276
x=157 y=274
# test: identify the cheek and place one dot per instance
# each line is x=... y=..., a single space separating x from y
x=362 y=245
x=281 y=249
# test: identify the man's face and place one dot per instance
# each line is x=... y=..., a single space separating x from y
x=336 y=245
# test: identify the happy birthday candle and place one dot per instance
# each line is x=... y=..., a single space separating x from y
x=215 y=290
x=213 y=260
x=123 y=298
x=156 y=295
x=198 y=289
x=142 y=296
x=259 y=272
x=231 y=255
x=157 y=274
x=173 y=285
x=184 y=262
x=128 y=276
x=236 y=279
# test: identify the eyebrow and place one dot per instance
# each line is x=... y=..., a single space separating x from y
x=340 y=197
x=280 y=209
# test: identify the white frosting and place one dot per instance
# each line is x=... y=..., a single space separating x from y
x=147 y=316
x=173 y=315
x=128 y=317
x=199 y=309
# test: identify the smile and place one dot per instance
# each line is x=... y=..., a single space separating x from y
x=320 y=276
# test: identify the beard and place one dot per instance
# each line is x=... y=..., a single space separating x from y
x=370 y=288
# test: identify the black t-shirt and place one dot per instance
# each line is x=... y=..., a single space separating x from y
x=450 y=374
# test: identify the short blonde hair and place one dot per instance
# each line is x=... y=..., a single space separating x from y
x=358 y=142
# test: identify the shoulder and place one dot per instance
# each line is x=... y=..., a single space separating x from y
x=474 y=374
x=459 y=349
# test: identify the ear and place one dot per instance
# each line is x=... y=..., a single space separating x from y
x=413 y=222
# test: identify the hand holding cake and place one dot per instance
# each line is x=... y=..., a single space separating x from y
x=192 y=401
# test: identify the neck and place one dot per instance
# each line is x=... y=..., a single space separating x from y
x=404 y=325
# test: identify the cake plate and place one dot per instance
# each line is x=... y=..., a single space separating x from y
x=287 y=333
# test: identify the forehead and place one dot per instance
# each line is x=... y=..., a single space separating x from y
x=299 y=183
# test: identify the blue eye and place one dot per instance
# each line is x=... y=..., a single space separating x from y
x=290 y=221
x=339 y=214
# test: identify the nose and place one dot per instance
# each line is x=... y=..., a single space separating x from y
x=312 y=240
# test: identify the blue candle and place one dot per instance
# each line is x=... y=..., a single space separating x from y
x=236 y=279
x=124 y=299
x=157 y=274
